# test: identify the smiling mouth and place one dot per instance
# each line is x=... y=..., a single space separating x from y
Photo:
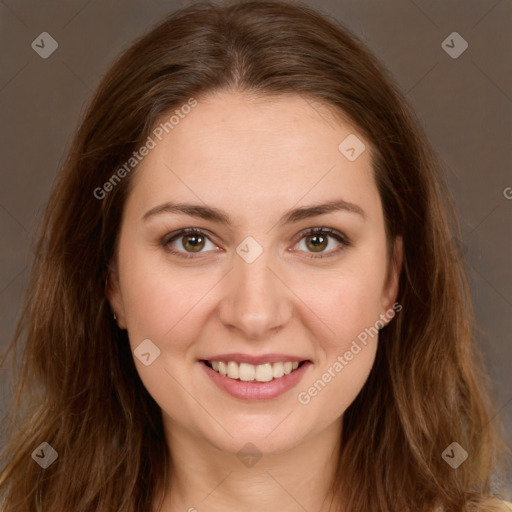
x=246 y=372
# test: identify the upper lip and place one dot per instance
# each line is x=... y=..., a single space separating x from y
x=255 y=360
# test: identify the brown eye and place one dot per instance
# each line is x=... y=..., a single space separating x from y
x=194 y=242
x=317 y=243
x=317 y=240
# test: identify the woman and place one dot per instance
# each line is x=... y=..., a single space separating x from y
x=246 y=294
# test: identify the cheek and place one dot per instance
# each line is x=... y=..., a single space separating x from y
x=333 y=389
x=156 y=293
x=164 y=307
x=354 y=306
x=349 y=306
x=159 y=301
x=347 y=302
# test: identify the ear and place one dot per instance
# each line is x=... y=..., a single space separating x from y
x=115 y=297
x=390 y=291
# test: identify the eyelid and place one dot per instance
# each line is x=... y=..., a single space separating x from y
x=175 y=235
x=340 y=237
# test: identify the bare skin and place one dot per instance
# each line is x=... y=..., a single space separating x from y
x=255 y=159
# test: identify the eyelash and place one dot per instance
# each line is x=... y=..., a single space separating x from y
x=344 y=240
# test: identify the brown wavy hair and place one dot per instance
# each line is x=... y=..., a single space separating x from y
x=77 y=387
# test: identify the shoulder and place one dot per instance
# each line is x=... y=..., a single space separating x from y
x=493 y=505
x=500 y=506
x=496 y=505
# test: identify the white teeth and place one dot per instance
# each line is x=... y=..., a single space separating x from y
x=264 y=372
x=249 y=372
x=278 y=370
x=223 y=369
x=233 y=370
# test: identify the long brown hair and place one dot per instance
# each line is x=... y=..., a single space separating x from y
x=77 y=386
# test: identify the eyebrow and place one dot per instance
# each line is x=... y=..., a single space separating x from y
x=221 y=217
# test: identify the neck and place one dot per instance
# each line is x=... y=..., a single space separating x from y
x=206 y=478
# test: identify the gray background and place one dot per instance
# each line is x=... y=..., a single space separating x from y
x=464 y=105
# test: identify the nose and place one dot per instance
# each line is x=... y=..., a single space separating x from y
x=256 y=300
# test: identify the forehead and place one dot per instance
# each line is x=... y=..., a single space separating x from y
x=233 y=148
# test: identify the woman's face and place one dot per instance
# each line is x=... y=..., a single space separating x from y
x=253 y=293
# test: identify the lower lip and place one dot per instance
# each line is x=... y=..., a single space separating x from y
x=257 y=390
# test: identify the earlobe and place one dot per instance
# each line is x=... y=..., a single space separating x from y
x=113 y=294
x=393 y=279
